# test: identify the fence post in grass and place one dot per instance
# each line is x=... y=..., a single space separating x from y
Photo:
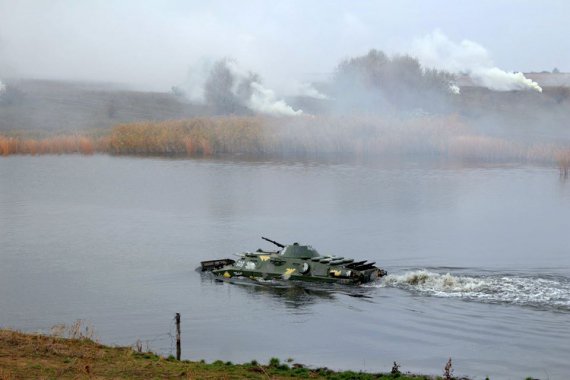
x=178 y=348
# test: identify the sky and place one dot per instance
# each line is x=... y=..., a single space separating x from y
x=152 y=45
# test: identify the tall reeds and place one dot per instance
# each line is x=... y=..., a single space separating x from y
x=306 y=136
x=563 y=159
x=197 y=136
x=51 y=145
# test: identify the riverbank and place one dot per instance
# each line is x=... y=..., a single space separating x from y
x=35 y=356
x=429 y=137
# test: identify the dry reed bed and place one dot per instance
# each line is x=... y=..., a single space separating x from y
x=440 y=137
x=563 y=159
x=51 y=145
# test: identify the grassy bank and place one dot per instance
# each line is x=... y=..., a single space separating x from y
x=33 y=356
x=439 y=137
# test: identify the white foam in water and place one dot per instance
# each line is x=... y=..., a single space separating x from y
x=541 y=292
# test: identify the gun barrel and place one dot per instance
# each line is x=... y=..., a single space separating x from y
x=274 y=242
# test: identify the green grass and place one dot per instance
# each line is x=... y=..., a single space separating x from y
x=33 y=356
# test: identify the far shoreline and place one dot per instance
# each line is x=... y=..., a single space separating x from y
x=359 y=138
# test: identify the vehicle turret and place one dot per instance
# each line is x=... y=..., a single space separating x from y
x=296 y=262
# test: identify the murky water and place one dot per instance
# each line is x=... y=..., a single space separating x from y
x=478 y=258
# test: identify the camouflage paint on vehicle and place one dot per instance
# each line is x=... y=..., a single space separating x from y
x=295 y=262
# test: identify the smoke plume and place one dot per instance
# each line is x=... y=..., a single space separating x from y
x=193 y=87
x=308 y=90
x=2 y=88
x=230 y=89
x=467 y=57
x=263 y=100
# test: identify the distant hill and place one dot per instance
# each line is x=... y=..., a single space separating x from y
x=48 y=107
x=68 y=106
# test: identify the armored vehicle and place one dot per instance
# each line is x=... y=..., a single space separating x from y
x=294 y=262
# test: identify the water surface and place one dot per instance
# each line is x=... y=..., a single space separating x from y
x=478 y=259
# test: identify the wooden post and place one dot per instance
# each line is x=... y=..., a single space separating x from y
x=178 y=348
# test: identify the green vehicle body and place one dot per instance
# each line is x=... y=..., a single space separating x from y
x=294 y=262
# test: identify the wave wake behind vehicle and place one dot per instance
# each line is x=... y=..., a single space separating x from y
x=548 y=292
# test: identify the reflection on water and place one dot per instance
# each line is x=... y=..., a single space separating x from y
x=292 y=294
x=477 y=258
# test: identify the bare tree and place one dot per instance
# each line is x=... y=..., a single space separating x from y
x=227 y=93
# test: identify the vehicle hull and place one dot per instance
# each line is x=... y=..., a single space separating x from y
x=294 y=262
x=229 y=273
x=292 y=270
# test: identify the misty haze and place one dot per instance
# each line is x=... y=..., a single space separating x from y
x=428 y=139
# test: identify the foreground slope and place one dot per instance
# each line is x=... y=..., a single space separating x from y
x=33 y=356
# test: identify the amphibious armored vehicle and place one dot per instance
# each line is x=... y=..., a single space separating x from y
x=294 y=262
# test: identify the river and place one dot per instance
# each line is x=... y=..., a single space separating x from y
x=478 y=259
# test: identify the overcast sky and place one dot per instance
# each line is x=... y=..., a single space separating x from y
x=152 y=44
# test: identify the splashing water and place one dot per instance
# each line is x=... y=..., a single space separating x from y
x=543 y=292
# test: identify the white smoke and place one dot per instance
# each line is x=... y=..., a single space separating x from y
x=309 y=91
x=262 y=99
x=454 y=89
x=196 y=79
x=436 y=50
x=499 y=80
x=2 y=88
x=258 y=98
